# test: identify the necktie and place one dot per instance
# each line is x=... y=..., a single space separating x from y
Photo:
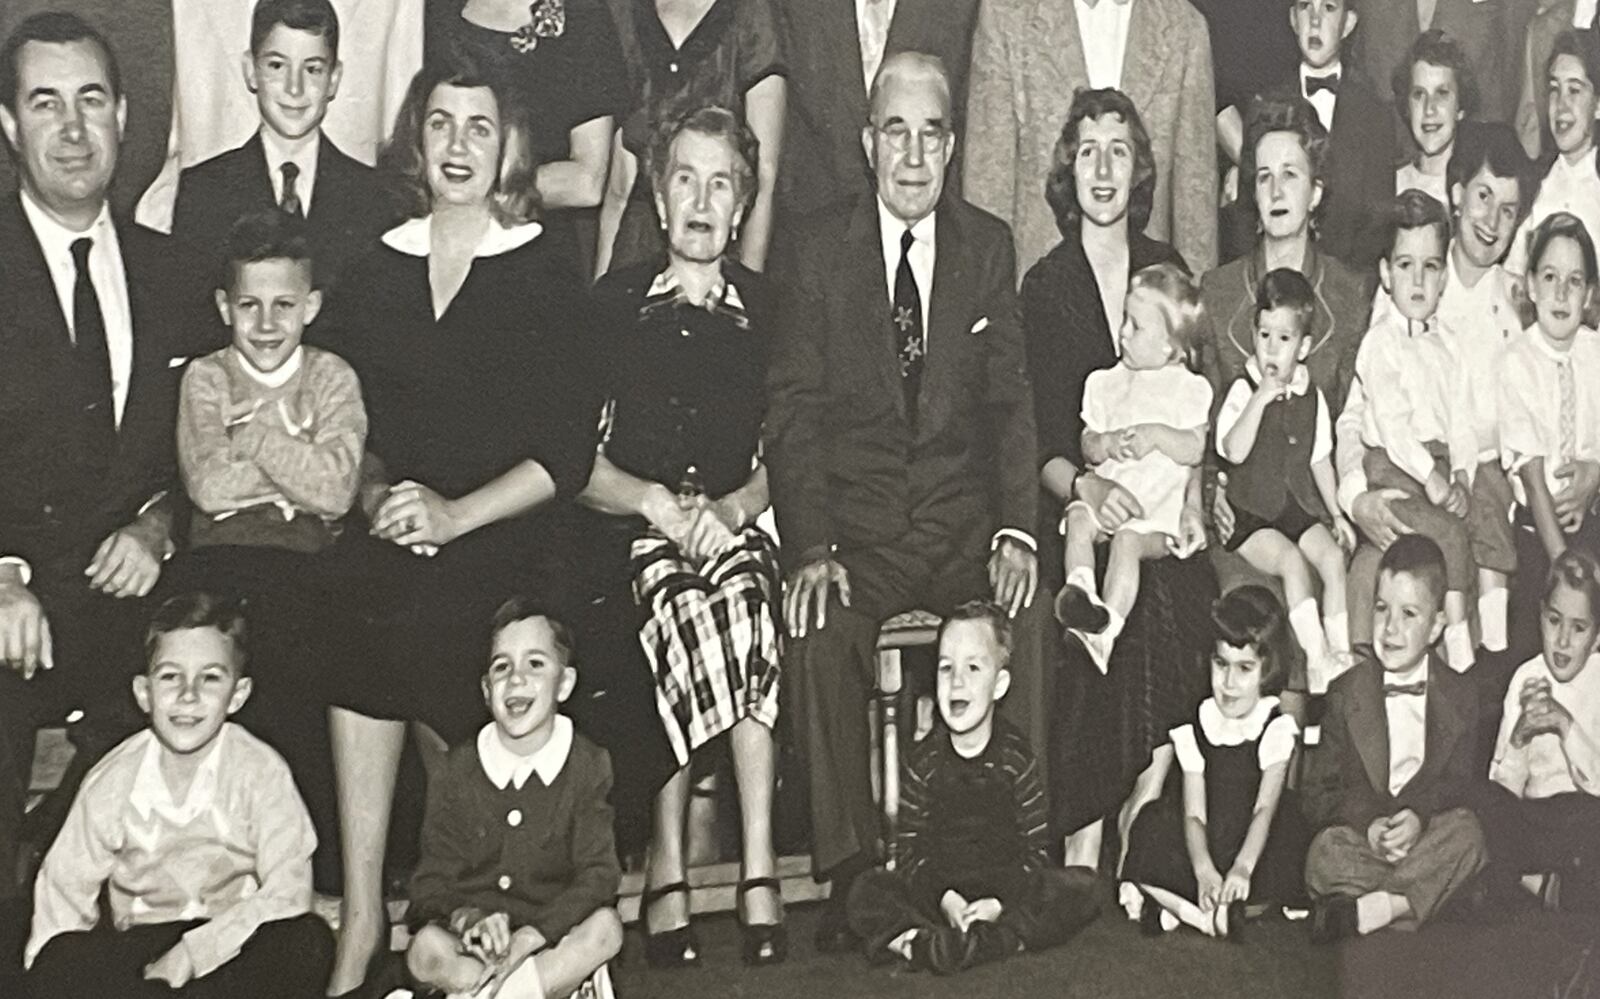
x=290 y=202
x=1330 y=83
x=1405 y=689
x=908 y=324
x=1569 y=411
x=93 y=359
x=875 y=16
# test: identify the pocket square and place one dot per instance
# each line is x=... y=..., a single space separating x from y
x=980 y=325
x=178 y=362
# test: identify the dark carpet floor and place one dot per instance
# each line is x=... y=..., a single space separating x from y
x=1533 y=956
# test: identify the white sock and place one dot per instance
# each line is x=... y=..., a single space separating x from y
x=1336 y=628
x=1131 y=899
x=1374 y=911
x=901 y=944
x=1307 y=628
x=1083 y=578
x=1534 y=883
x=1458 y=646
x=1492 y=618
x=1114 y=625
x=1169 y=922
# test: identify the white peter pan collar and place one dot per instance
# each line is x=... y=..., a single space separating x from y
x=414 y=237
x=504 y=767
x=1220 y=730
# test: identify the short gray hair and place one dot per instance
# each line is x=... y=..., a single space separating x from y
x=904 y=64
x=718 y=123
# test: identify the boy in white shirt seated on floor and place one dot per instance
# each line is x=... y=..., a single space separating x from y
x=196 y=831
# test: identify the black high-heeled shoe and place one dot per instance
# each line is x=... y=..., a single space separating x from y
x=762 y=943
x=675 y=948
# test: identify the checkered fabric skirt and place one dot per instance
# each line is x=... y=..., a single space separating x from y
x=711 y=636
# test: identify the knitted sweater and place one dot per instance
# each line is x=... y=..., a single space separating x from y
x=285 y=450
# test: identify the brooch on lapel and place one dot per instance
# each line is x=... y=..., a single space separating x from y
x=547 y=19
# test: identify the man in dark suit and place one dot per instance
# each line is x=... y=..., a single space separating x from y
x=1390 y=783
x=901 y=441
x=87 y=406
x=294 y=72
x=832 y=60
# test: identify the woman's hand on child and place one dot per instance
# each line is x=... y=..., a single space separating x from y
x=1458 y=500
x=174 y=967
x=1574 y=499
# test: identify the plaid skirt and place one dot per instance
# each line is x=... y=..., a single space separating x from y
x=711 y=636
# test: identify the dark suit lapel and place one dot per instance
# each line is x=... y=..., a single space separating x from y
x=946 y=318
x=254 y=177
x=1369 y=727
x=869 y=293
x=844 y=46
x=149 y=361
x=28 y=277
x=1442 y=719
x=333 y=174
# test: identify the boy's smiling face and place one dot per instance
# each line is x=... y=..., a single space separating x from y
x=192 y=686
x=268 y=308
x=1321 y=26
x=293 y=75
x=527 y=679
x=971 y=675
x=1407 y=618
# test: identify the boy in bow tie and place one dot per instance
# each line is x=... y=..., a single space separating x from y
x=1388 y=784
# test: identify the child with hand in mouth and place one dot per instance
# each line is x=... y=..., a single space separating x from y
x=512 y=896
x=1219 y=844
x=971 y=879
x=1544 y=805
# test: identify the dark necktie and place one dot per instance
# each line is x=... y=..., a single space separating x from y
x=290 y=202
x=907 y=318
x=1405 y=689
x=92 y=357
x=1330 y=83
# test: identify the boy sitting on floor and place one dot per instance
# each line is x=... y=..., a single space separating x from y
x=1390 y=781
x=974 y=882
x=512 y=897
x=194 y=828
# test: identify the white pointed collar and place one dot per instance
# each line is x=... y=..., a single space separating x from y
x=150 y=792
x=504 y=767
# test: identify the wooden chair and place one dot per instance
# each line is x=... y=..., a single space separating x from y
x=912 y=629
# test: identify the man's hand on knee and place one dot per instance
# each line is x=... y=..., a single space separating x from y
x=25 y=643
x=806 y=598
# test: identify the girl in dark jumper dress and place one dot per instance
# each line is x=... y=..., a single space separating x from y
x=1217 y=842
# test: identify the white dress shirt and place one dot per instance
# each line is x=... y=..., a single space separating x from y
x=1415 y=395
x=923 y=248
x=1103 y=28
x=1549 y=764
x=305 y=158
x=110 y=285
x=1325 y=100
x=1409 y=178
x=873 y=33
x=503 y=766
x=1408 y=726
x=1583 y=13
x=1530 y=404
x=1568 y=187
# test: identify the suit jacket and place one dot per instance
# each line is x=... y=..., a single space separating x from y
x=50 y=513
x=823 y=164
x=1027 y=62
x=847 y=467
x=1532 y=114
x=347 y=214
x=1348 y=783
x=1358 y=180
x=1485 y=29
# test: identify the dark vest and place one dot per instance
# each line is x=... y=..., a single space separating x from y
x=1279 y=466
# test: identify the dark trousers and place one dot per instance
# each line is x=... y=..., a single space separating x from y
x=286 y=959
x=829 y=675
x=1560 y=833
x=1044 y=908
x=97 y=654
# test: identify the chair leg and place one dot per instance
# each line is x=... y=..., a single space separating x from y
x=889 y=686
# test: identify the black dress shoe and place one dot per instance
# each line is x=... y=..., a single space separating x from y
x=762 y=943
x=834 y=935
x=943 y=951
x=675 y=948
x=1076 y=609
x=1333 y=917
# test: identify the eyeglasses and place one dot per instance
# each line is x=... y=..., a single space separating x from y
x=932 y=138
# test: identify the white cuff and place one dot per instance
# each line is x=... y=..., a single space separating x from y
x=1022 y=538
x=23 y=568
x=1350 y=487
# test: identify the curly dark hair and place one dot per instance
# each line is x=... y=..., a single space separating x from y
x=1294 y=115
x=1061 y=187
x=1436 y=48
x=717 y=123
x=1251 y=617
x=514 y=197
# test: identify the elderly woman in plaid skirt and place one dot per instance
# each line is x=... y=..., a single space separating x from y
x=686 y=366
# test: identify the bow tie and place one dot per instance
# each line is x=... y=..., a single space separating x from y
x=1330 y=83
x=1405 y=689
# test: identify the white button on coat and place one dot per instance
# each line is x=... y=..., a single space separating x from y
x=504 y=882
x=514 y=818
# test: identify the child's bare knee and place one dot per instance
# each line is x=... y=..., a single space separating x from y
x=604 y=930
x=429 y=953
